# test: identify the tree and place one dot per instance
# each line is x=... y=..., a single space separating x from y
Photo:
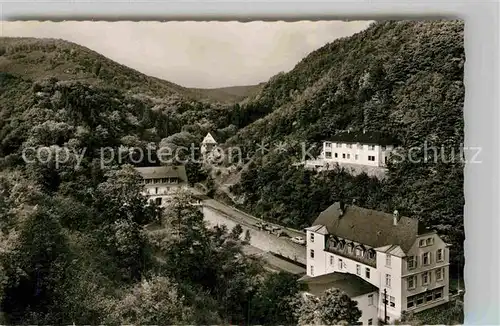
x=153 y=301
x=273 y=302
x=333 y=308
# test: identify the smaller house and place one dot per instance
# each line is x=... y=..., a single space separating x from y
x=359 y=290
x=208 y=144
x=162 y=182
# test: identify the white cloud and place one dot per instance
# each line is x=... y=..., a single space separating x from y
x=197 y=54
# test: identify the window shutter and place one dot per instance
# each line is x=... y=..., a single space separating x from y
x=430 y=257
x=416 y=261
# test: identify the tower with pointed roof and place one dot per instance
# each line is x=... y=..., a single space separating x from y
x=208 y=144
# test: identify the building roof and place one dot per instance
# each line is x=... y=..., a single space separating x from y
x=320 y=229
x=209 y=139
x=369 y=227
x=363 y=137
x=351 y=284
x=167 y=171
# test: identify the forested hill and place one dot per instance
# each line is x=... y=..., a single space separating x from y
x=35 y=59
x=403 y=78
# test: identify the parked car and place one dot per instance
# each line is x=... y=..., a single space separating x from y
x=260 y=225
x=281 y=233
x=268 y=227
x=299 y=240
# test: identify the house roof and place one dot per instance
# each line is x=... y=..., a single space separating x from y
x=363 y=137
x=209 y=139
x=320 y=229
x=369 y=227
x=351 y=284
x=167 y=171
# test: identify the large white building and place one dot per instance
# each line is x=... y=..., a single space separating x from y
x=407 y=263
x=362 y=148
x=162 y=182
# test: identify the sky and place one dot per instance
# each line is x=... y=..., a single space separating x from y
x=197 y=54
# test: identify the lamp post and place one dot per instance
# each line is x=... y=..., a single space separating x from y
x=385 y=306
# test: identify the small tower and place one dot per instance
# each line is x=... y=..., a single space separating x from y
x=208 y=144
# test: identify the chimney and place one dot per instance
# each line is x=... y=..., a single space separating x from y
x=395 y=217
x=341 y=208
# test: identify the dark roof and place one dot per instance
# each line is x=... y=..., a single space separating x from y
x=369 y=227
x=363 y=137
x=170 y=171
x=351 y=284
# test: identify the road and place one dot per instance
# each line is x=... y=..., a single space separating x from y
x=218 y=213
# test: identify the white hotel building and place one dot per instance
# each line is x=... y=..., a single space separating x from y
x=406 y=264
x=361 y=148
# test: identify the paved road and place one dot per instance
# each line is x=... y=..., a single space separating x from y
x=272 y=262
x=218 y=213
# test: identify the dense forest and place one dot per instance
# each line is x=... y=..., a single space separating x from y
x=75 y=238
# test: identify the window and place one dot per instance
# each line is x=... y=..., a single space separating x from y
x=312 y=270
x=388 y=260
x=370 y=321
x=371 y=147
x=410 y=302
x=328 y=154
x=343 y=155
x=338 y=145
x=426 y=259
x=360 y=146
x=358 y=269
x=388 y=280
x=367 y=272
x=356 y=157
x=370 y=299
x=158 y=201
x=439 y=255
x=340 y=263
x=385 y=159
x=439 y=274
x=425 y=278
x=348 y=156
x=411 y=282
x=328 y=145
x=311 y=237
x=429 y=297
x=411 y=262
x=392 y=301
x=421 y=243
x=349 y=145
x=429 y=241
x=371 y=254
x=349 y=247
x=371 y=158
x=332 y=258
x=438 y=293
x=311 y=253
x=359 y=252
x=156 y=190
x=336 y=155
x=420 y=299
